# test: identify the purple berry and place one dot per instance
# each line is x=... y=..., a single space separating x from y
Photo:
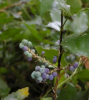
x=37 y=68
x=25 y=48
x=50 y=77
x=29 y=59
x=43 y=52
x=75 y=65
x=44 y=75
x=72 y=68
x=46 y=70
x=54 y=74
x=54 y=59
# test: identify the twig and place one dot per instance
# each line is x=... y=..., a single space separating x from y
x=40 y=58
x=59 y=59
x=13 y=5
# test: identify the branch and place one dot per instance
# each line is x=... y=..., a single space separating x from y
x=13 y=5
x=60 y=50
x=59 y=59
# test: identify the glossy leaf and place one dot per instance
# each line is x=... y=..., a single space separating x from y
x=83 y=75
x=75 y=5
x=45 y=6
x=80 y=23
x=67 y=93
x=77 y=44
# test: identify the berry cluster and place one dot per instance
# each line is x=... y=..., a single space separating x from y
x=71 y=58
x=72 y=68
x=41 y=74
x=24 y=45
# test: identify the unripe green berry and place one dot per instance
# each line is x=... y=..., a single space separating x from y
x=29 y=55
x=29 y=44
x=38 y=74
x=26 y=53
x=39 y=79
x=42 y=66
x=33 y=75
x=21 y=45
x=25 y=42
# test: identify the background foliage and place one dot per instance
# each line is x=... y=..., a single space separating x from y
x=39 y=22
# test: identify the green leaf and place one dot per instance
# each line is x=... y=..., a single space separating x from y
x=49 y=53
x=75 y=5
x=10 y=33
x=48 y=98
x=79 y=95
x=33 y=31
x=67 y=93
x=62 y=5
x=55 y=15
x=80 y=23
x=4 y=89
x=4 y=18
x=45 y=6
x=83 y=75
x=77 y=44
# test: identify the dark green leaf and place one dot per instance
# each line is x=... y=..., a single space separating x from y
x=77 y=44
x=67 y=93
x=4 y=89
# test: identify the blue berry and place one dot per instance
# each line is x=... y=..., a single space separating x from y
x=37 y=68
x=72 y=68
x=50 y=77
x=44 y=75
x=46 y=70
x=25 y=42
x=54 y=74
x=33 y=75
x=29 y=59
x=25 y=48
x=43 y=52
x=38 y=74
x=21 y=45
x=54 y=59
x=42 y=70
x=75 y=65
x=39 y=79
